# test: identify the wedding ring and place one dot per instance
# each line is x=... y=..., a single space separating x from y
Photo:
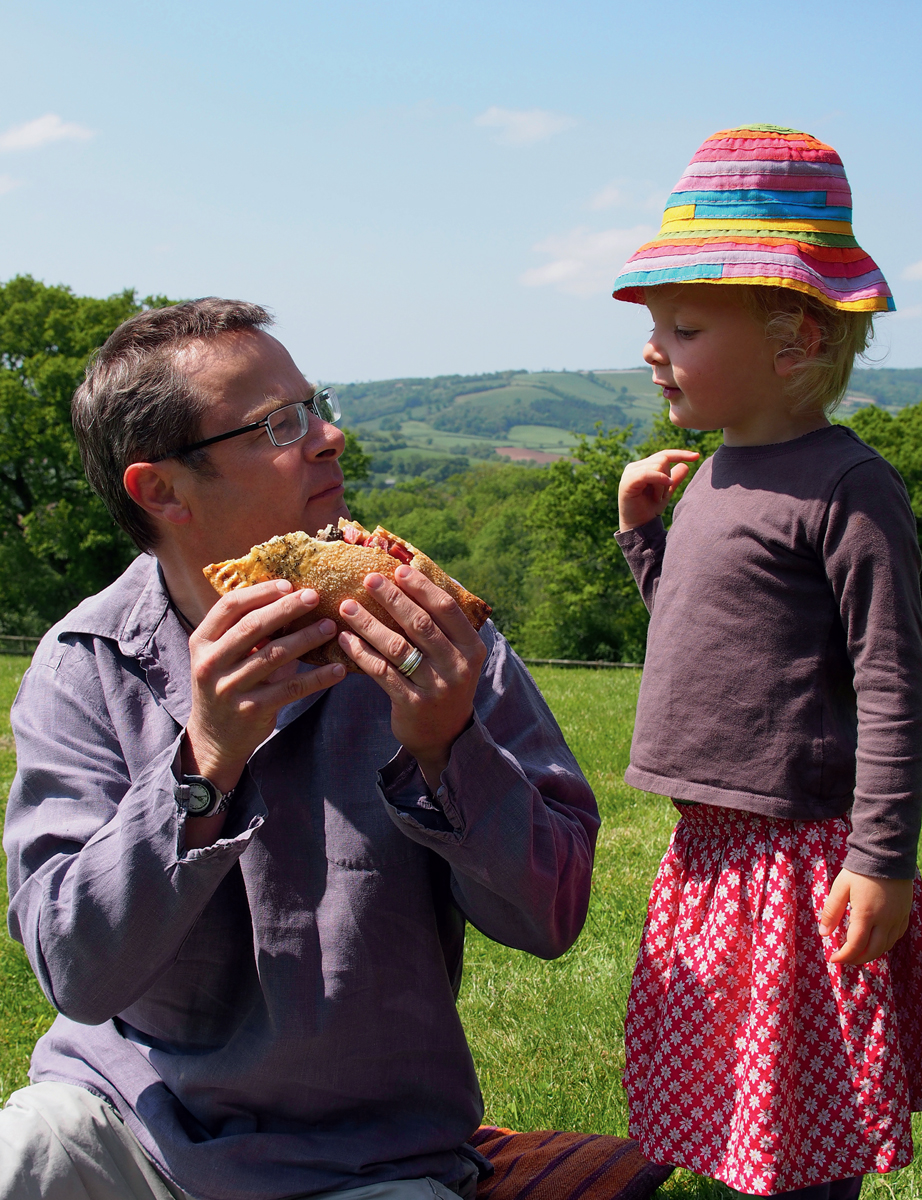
x=411 y=662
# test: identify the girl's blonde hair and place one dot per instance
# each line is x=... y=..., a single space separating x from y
x=820 y=376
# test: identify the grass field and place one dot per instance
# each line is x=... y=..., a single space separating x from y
x=547 y=1037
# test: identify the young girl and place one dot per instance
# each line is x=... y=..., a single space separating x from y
x=774 y=1028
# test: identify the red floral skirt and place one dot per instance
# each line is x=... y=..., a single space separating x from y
x=750 y=1057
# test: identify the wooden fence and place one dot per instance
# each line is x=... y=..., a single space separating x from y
x=580 y=662
x=10 y=644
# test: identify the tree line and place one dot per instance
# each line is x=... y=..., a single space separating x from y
x=537 y=544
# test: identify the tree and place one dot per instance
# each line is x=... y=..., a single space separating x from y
x=356 y=467
x=57 y=542
x=899 y=440
x=585 y=603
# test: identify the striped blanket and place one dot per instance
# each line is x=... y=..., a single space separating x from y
x=549 y=1165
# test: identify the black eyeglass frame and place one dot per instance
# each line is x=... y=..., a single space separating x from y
x=328 y=393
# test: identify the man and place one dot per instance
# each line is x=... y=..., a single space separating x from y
x=242 y=882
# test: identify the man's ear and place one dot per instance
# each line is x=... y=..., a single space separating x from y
x=153 y=487
x=809 y=340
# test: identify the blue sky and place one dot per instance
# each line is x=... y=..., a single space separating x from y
x=421 y=188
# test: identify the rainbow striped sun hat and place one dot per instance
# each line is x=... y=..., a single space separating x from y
x=761 y=205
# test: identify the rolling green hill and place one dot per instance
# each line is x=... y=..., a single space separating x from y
x=435 y=427
x=412 y=426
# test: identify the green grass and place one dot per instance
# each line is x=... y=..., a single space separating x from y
x=547 y=1037
x=25 y=1014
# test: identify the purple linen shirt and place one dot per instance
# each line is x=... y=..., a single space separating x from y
x=275 y=1015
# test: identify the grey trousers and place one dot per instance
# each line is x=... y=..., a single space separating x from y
x=60 y=1142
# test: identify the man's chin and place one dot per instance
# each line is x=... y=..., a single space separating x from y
x=323 y=513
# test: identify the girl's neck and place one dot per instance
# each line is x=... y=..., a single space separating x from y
x=768 y=427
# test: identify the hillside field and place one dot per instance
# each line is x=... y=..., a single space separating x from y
x=436 y=426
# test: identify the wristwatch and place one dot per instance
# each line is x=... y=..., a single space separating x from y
x=200 y=798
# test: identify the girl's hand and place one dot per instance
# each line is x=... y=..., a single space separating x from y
x=879 y=915
x=647 y=486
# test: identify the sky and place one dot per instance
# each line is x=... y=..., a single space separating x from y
x=430 y=188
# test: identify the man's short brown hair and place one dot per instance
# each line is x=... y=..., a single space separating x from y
x=135 y=404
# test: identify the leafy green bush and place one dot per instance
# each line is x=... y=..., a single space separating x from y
x=57 y=542
x=899 y=440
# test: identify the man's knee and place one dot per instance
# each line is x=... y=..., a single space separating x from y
x=60 y=1142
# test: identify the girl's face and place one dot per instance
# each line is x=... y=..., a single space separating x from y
x=717 y=368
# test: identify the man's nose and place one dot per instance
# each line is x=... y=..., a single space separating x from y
x=323 y=440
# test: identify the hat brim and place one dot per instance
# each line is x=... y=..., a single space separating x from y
x=634 y=293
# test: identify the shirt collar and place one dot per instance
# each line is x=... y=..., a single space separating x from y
x=137 y=614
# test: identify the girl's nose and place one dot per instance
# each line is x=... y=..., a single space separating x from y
x=653 y=355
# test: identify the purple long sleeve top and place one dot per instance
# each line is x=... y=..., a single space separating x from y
x=783 y=672
x=274 y=1015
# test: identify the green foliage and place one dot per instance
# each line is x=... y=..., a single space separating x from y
x=477 y=525
x=899 y=440
x=427 y=412
x=585 y=602
x=57 y=542
x=580 y=416
x=356 y=468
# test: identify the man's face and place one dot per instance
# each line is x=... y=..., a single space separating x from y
x=260 y=490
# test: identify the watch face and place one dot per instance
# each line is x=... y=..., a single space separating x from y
x=200 y=799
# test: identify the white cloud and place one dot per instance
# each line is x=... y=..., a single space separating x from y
x=41 y=131
x=523 y=127
x=7 y=183
x=907 y=314
x=584 y=262
x=914 y=271
x=609 y=196
x=628 y=193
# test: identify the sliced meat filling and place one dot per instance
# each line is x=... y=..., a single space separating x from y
x=358 y=537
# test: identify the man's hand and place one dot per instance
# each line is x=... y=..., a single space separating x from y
x=242 y=677
x=646 y=487
x=879 y=915
x=430 y=708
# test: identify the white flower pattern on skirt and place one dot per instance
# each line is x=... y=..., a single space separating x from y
x=751 y=1058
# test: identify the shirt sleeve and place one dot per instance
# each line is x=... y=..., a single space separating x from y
x=644 y=547
x=871 y=554
x=102 y=892
x=516 y=820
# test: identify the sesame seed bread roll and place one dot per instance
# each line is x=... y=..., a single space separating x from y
x=335 y=569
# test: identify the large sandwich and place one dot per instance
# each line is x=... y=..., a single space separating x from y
x=335 y=563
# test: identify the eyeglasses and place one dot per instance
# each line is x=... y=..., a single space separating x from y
x=284 y=425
